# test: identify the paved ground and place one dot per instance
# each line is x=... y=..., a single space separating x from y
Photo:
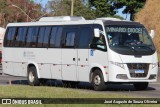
x=153 y=91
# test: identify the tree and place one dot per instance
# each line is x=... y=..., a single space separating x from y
x=9 y=13
x=63 y=8
x=103 y=8
x=29 y=7
x=3 y=12
x=81 y=9
x=131 y=6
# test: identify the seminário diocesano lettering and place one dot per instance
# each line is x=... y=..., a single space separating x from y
x=123 y=29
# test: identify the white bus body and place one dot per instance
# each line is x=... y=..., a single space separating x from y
x=63 y=52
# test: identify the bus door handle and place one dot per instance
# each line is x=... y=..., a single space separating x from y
x=78 y=59
x=74 y=59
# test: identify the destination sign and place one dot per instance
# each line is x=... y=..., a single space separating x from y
x=124 y=30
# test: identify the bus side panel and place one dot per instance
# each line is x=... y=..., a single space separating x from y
x=14 y=62
x=56 y=71
x=83 y=65
x=100 y=58
x=46 y=58
x=7 y=63
x=19 y=69
x=7 y=68
x=55 y=63
x=69 y=71
x=19 y=62
x=44 y=70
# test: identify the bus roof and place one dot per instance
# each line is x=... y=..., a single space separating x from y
x=41 y=23
x=74 y=20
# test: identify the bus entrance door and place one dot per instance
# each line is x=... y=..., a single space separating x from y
x=69 y=55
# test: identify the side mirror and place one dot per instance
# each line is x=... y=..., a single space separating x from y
x=96 y=33
x=152 y=33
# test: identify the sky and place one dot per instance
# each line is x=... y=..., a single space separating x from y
x=43 y=2
x=123 y=15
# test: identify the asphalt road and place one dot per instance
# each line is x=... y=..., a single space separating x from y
x=153 y=91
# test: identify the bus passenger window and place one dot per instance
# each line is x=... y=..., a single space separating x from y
x=16 y=39
x=70 y=39
x=41 y=36
x=32 y=37
x=10 y=36
x=23 y=37
x=53 y=37
x=46 y=37
x=29 y=35
x=58 y=37
x=84 y=38
x=20 y=41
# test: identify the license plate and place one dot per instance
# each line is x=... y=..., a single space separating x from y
x=139 y=71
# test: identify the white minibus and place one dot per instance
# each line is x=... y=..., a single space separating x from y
x=72 y=49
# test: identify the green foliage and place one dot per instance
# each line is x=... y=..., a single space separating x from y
x=91 y=9
x=103 y=8
x=131 y=6
x=63 y=8
x=83 y=10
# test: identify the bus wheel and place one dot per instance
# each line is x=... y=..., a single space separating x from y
x=98 y=81
x=140 y=85
x=32 y=77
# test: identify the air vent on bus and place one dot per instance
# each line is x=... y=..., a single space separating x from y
x=109 y=18
x=61 y=18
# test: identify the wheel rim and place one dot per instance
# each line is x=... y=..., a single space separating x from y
x=31 y=77
x=97 y=80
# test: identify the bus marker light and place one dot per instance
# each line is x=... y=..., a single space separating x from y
x=105 y=66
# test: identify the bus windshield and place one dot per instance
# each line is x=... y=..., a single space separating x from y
x=129 y=40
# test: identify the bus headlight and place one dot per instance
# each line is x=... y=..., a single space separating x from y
x=154 y=65
x=117 y=64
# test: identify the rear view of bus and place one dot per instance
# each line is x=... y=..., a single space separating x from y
x=131 y=53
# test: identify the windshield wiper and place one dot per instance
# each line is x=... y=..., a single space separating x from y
x=132 y=48
x=146 y=47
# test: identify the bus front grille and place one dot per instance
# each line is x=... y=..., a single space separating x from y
x=133 y=67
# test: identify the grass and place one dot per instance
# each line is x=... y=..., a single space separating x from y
x=23 y=91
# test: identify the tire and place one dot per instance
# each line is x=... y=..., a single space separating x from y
x=140 y=85
x=32 y=77
x=71 y=84
x=98 y=81
x=43 y=82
